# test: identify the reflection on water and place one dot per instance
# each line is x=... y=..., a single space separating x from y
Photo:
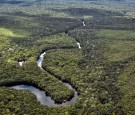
x=40 y=60
x=84 y=23
x=79 y=46
x=43 y=98
x=21 y=63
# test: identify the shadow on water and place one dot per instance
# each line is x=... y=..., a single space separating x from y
x=43 y=98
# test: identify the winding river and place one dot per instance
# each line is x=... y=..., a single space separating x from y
x=41 y=95
x=43 y=98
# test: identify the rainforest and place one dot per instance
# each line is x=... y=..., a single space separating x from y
x=67 y=57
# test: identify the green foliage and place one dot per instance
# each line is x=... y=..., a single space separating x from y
x=65 y=64
x=102 y=71
x=36 y=77
x=120 y=43
x=116 y=34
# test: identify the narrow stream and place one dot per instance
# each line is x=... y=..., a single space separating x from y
x=21 y=63
x=79 y=46
x=40 y=60
x=84 y=24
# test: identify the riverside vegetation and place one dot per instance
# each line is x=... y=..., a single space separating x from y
x=102 y=71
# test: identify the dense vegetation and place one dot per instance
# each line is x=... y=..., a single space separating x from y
x=102 y=71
